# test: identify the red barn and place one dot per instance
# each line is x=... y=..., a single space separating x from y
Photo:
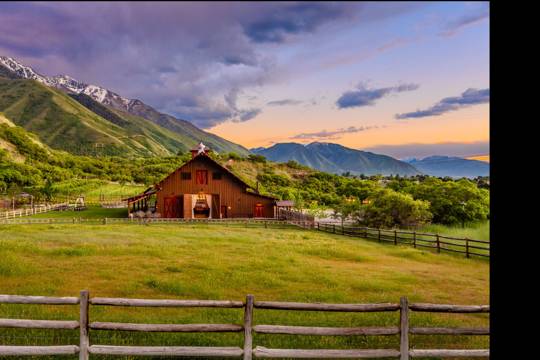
x=202 y=188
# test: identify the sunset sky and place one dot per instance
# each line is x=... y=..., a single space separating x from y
x=404 y=79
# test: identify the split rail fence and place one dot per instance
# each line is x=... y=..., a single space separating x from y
x=85 y=348
x=469 y=247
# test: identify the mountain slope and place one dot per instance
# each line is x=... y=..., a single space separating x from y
x=188 y=134
x=337 y=159
x=451 y=166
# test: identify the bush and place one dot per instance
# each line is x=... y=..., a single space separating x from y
x=388 y=208
x=256 y=158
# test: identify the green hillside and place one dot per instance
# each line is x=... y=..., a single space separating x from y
x=59 y=121
x=80 y=125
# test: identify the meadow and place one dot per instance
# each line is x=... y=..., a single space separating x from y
x=227 y=262
x=476 y=230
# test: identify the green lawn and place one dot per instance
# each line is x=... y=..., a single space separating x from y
x=477 y=231
x=218 y=262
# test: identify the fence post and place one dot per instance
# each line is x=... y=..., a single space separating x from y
x=104 y=221
x=467 y=248
x=395 y=237
x=379 y=238
x=414 y=239
x=334 y=228
x=248 y=317
x=318 y=226
x=265 y=225
x=438 y=244
x=342 y=229
x=404 y=329
x=84 y=340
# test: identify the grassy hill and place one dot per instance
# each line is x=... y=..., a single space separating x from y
x=80 y=125
x=226 y=263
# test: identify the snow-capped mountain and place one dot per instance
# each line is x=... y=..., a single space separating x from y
x=69 y=84
x=189 y=133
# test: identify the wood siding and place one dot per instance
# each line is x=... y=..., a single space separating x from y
x=229 y=190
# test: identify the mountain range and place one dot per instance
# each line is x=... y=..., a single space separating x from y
x=86 y=119
x=450 y=166
x=337 y=159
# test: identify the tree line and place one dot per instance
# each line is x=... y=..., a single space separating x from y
x=372 y=200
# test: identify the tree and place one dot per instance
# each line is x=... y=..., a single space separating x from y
x=453 y=202
x=388 y=208
x=48 y=190
x=345 y=209
x=256 y=158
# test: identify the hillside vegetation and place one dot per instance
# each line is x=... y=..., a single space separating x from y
x=31 y=166
x=226 y=263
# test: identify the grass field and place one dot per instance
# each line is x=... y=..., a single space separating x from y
x=218 y=262
x=478 y=231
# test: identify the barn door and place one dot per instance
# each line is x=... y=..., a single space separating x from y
x=259 y=210
x=224 y=211
x=215 y=206
x=169 y=207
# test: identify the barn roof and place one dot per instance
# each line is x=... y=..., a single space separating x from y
x=150 y=191
x=234 y=176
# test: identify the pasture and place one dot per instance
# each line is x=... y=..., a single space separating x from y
x=478 y=230
x=226 y=263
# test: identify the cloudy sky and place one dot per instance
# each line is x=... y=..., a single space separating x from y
x=401 y=78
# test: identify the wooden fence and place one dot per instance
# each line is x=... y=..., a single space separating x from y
x=38 y=209
x=295 y=216
x=84 y=348
x=469 y=247
x=247 y=222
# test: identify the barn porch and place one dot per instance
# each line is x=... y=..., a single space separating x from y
x=142 y=202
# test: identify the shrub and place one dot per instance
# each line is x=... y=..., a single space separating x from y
x=388 y=208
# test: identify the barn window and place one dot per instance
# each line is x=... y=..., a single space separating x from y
x=202 y=177
x=216 y=175
x=186 y=176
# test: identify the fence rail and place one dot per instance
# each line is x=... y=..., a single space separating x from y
x=266 y=222
x=85 y=348
x=469 y=247
x=37 y=209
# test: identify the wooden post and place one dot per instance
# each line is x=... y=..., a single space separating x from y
x=379 y=234
x=319 y=226
x=248 y=318
x=438 y=244
x=342 y=229
x=467 y=247
x=334 y=228
x=395 y=237
x=265 y=224
x=105 y=221
x=84 y=341
x=414 y=239
x=404 y=329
